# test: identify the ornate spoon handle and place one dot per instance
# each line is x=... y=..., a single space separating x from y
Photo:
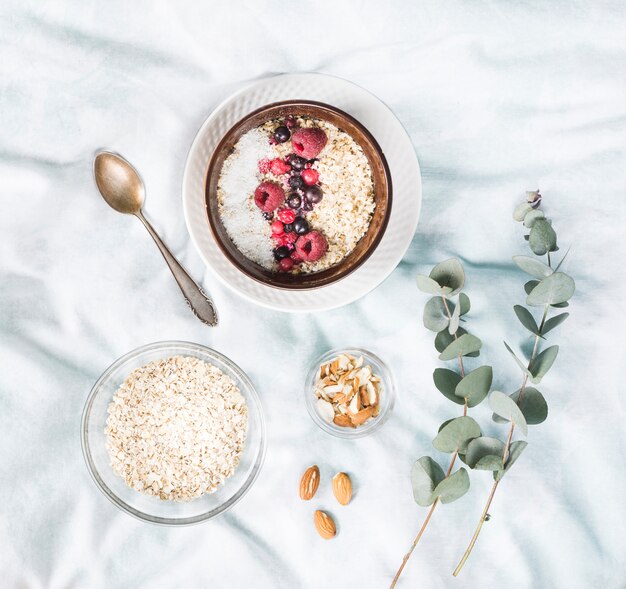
x=198 y=302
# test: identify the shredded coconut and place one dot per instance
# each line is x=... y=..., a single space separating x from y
x=176 y=428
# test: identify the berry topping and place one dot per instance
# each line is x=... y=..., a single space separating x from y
x=288 y=228
x=295 y=257
x=269 y=196
x=290 y=238
x=278 y=167
x=307 y=205
x=310 y=176
x=286 y=215
x=313 y=194
x=264 y=166
x=268 y=216
x=286 y=264
x=282 y=252
x=300 y=226
x=282 y=134
x=308 y=143
x=290 y=121
x=296 y=162
x=294 y=201
x=296 y=182
x=277 y=228
x=312 y=246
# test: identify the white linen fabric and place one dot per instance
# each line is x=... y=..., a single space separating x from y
x=498 y=98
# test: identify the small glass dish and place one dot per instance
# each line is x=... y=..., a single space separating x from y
x=146 y=507
x=387 y=394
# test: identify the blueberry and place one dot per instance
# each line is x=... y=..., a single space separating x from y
x=300 y=226
x=281 y=252
x=288 y=227
x=296 y=182
x=307 y=205
x=314 y=194
x=294 y=201
x=282 y=134
x=297 y=162
x=268 y=216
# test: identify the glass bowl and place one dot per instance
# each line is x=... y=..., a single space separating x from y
x=147 y=507
x=387 y=395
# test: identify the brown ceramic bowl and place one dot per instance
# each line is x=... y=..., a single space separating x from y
x=382 y=194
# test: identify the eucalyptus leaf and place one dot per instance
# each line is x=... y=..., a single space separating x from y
x=532 y=266
x=426 y=474
x=464 y=303
x=483 y=448
x=532 y=216
x=446 y=381
x=450 y=489
x=449 y=274
x=504 y=406
x=456 y=434
x=443 y=339
x=454 y=320
x=462 y=346
x=530 y=285
x=521 y=210
x=526 y=319
x=446 y=422
x=515 y=450
x=542 y=237
x=475 y=385
x=562 y=260
x=533 y=406
x=429 y=286
x=554 y=289
x=519 y=362
x=553 y=322
x=541 y=363
x=435 y=315
x=560 y=305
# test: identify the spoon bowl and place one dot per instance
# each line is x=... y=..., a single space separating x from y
x=119 y=183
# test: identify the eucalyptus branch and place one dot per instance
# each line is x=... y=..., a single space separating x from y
x=553 y=289
x=443 y=316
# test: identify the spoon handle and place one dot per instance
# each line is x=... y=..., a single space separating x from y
x=198 y=302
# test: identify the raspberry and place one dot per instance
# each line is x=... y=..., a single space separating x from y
x=279 y=240
x=269 y=196
x=287 y=215
x=310 y=176
x=277 y=228
x=312 y=246
x=295 y=257
x=278 y=167
x=264 y=166
x=308 y=142
x=286 y=264
x=289 y=238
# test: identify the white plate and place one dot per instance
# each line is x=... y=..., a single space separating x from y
x=396 y=145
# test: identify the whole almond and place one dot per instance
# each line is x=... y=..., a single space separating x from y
x=309 y=483
x=342 y=488
x=324 y=525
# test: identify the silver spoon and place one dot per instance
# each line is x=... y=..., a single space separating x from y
x=122 y=188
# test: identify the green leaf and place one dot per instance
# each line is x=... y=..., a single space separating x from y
x=504 y=406
x=443 y=339
x=515 y=450
x=425 y=476
x=560 y=305
x=562 y=260
x=449 y=274
x=464 y=303
x=541 y=363
x=521 y=210
x=456 y=434
x=530 y=285
x=526 y=319
x=532 y=216
x=462 y=346
x=534 y=407
x=484 y=453
x=446 y=381
x=454 y=320
x=435 y=315
x=553 y=322
x=542 y=237
x=450 y=489
x=429 y=286
x=532 y=266
x=556 y=288
x=519 y=362
x=475 y=385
